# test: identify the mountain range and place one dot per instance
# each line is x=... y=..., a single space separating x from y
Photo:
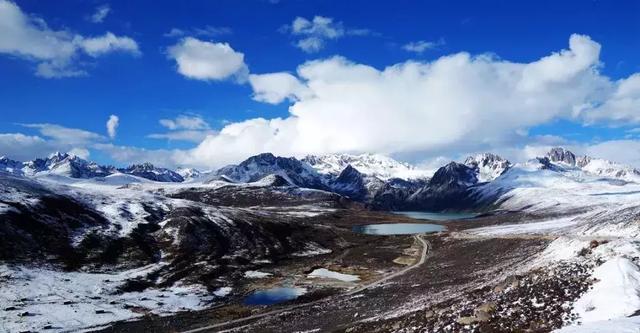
x=155 y=229
x=376 y=180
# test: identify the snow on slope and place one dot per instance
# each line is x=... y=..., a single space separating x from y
x=606 y=168
x=615 y=294
x=35 y=299
x=532 y=187
x=616 y=291
x=488 y=166
x=374 y=165
x=328 y=274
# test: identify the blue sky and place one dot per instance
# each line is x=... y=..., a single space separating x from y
x=141 y=84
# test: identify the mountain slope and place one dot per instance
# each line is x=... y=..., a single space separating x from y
x=69 y=165
x=381 y=167
x=260 y=166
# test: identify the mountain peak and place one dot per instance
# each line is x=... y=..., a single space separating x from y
x=258 y=166
x=454 y=173
x=375 y=165
x=561 y=155
x=488 y=166
x=149 y=171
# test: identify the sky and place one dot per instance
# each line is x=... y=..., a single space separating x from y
x=208 y=83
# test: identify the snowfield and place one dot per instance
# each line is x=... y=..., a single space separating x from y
x=328 y=274
x=34 y=299
x=580 y=206
x=46 y=298
x=589 y=207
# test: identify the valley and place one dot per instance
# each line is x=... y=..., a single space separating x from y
x=279 y=244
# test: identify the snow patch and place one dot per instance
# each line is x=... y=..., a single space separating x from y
x=327 y=274
x=615 y=294
x=256 y=274
x=223 y=291
x=73 y=301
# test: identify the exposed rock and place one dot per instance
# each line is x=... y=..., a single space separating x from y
x=487 y=166
x=562 y=155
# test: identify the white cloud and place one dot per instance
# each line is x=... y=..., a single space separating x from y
x=310 y=44
x=622 y=108
x=190 y=122
x=100 y=14
x=129 y=155
x=184 y=128
x=421 y=46
x=274 y=88
x=97 y=46
x=207 y=31
x=319 y=26
x=184 y=135
x=23 y=147
x=203 y=60
x=414 y=108
x=112 y=125
x=55 y=51
x=314 y=33
x=581 y=58
x=621 y=151
x=72 y=136
x=80 y=152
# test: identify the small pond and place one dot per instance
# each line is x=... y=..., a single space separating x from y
x=437 y=216
x=274 y=295
x=397 y=228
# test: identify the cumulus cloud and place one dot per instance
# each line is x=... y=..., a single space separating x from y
x=55 y=51
x=415 y=108
x=422 y=45
x=128 y=155
x=202 y=60
x=622 y=151
x=80 y=152
x=274 y=88
x=313 y=34
x=97 y=46
x=112 y=125
x=23 y=147
x=621 y=108
x=100 y=14
x=184 y=128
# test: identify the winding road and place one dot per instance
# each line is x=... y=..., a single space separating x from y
x=426 y=247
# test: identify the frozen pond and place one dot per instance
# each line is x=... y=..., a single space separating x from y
x=397 y=228
x=274 y=295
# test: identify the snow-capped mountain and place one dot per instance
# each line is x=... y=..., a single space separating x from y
x=189 y=174
x=563 y=158
x=185 y=234
x=379 y=166
x=606 y=168
x=362 y=177
x=257 y=167
x=58 y=164
x=70 y=165
x=487 y=166
x=447 y=190
x=10 y=166
x=149 y=171
x=356 y=185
